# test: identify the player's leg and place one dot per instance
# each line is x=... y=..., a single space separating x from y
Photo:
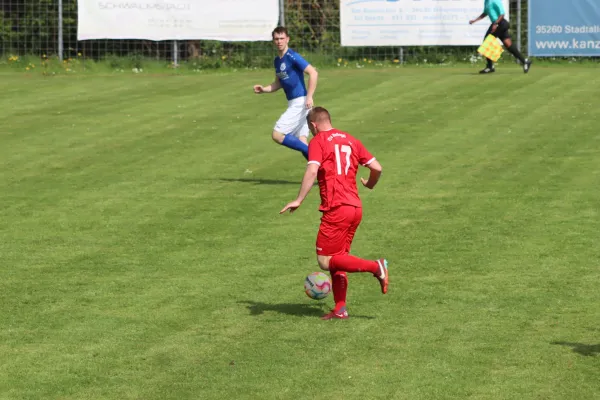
x=504 y=35
x=290 y=141
x=339 y=283
x=489 y=68
x=339 y=286
x=339 y=279
x=352 y=230
x=331 y=240
x=346 y=261
x=287 y=124
x=278 y=137
x=335 y=235
x=512 y=48
x=302 y=132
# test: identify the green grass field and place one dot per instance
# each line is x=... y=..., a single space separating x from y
x=142 y=254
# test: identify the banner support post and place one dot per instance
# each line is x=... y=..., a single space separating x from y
x=175 y=53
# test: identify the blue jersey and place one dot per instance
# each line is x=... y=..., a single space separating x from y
x=290 y=71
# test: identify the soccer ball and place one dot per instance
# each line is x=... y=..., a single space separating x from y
x=317 y=285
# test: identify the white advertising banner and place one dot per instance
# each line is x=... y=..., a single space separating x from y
x=412 y=22
x=226 y=20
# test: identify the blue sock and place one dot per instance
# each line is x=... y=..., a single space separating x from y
x=293 y=142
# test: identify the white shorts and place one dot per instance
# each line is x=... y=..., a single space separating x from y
x=293 y=120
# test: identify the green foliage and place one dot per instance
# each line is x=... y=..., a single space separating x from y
x=31 y=27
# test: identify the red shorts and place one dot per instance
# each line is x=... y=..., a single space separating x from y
x=337 y=230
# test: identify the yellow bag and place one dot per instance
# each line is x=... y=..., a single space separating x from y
x=491 y=48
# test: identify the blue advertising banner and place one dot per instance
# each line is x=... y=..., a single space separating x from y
x=564 y=28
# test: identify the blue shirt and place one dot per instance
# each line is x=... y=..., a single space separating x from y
x=290 y=71
x=493 y=9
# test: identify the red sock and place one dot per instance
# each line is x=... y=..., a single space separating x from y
x=339 y=282
x=348 y=263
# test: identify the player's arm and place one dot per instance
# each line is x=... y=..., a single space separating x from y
x=313 y=77
x=500 y=18
x=273 y=87
x=482 y=16
x=315 y=158
x=365 y=158
x=496 y=22
x=307 y=183
x=374 y=175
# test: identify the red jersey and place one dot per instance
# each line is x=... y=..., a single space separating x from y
x=338 y=155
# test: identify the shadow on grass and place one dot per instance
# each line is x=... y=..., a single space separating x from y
x=260 y=181
x=583 y=349
x=298 y=310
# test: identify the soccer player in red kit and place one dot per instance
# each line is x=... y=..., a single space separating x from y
x=333 y=158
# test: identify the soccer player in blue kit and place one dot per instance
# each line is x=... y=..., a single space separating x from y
x=291 y=130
